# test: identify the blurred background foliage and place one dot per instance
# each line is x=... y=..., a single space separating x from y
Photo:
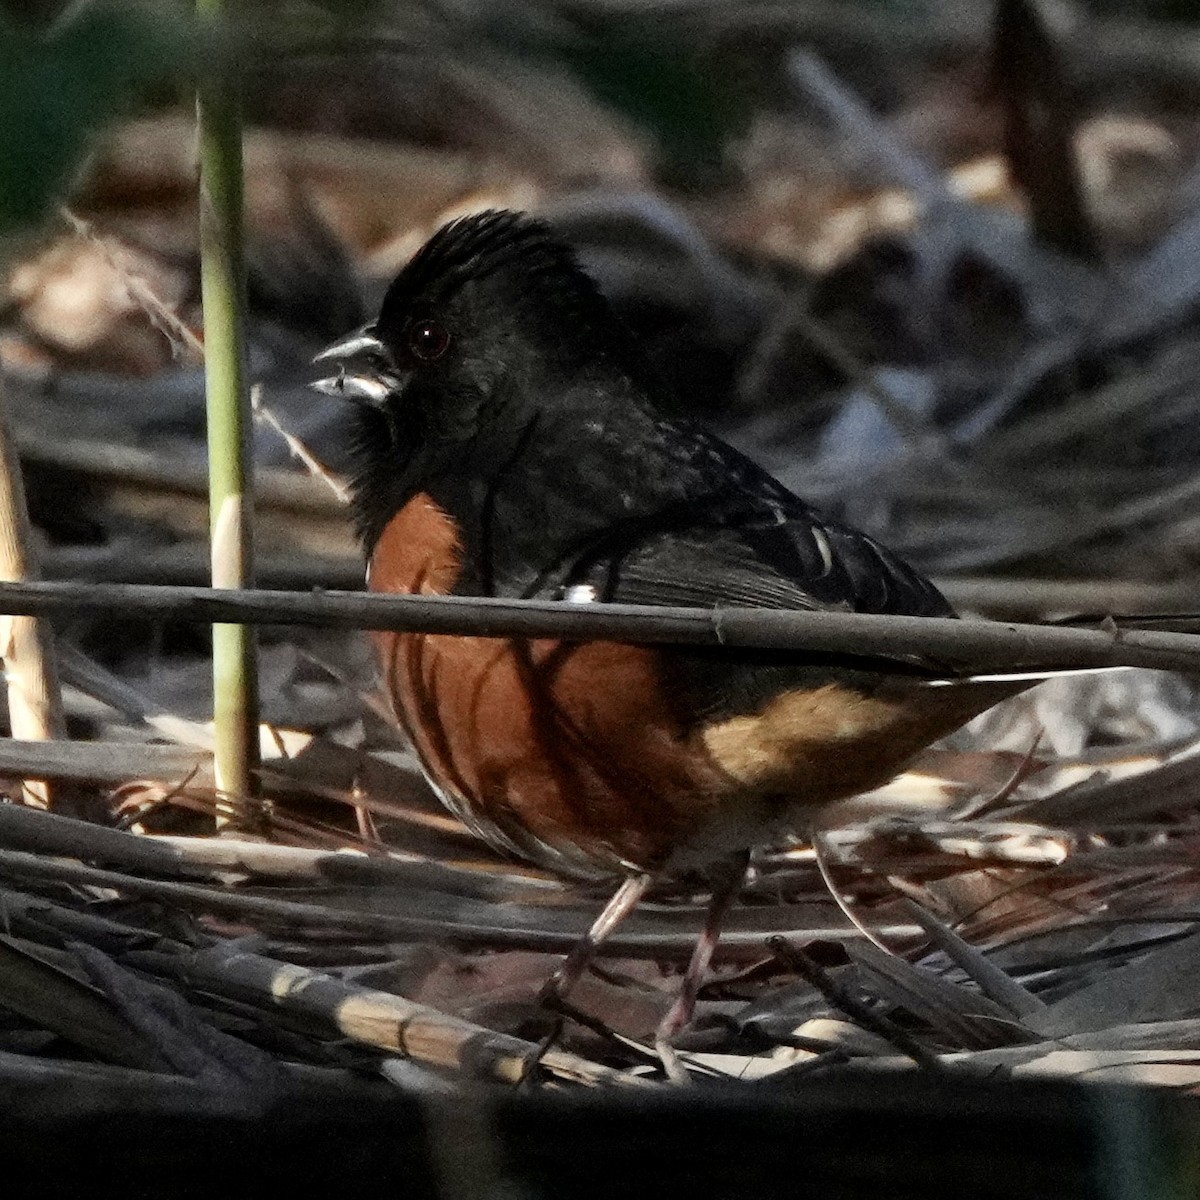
x=63 y=76
x=67 y=70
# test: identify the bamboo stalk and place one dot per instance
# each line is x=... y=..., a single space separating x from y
x=375 y=1018
x=26 y=644
x=223 y=290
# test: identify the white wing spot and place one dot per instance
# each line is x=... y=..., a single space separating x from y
x=825 y=549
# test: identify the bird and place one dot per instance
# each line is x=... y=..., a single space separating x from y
x=512 y=440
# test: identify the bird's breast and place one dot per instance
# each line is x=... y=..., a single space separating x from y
x=569 y=753
x=419 y=551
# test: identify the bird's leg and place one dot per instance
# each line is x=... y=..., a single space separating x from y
x=726 y=885
x=626 y=898
x=558 y=987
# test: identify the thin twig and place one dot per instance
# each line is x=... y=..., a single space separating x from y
x=957 y=647
x=821 y=859
x=159 y=313
x=313 y=465
x=839 y=998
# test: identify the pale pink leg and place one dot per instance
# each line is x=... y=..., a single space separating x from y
x=558 y=987
x=725 y=889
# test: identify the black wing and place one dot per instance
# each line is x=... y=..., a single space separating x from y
x=775 y=557
x=751 y=552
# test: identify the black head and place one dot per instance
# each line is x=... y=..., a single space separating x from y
x=491 y=326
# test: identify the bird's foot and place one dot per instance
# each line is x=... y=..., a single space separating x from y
x=664 y=1040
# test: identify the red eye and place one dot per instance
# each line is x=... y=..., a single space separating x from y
x=428 y=341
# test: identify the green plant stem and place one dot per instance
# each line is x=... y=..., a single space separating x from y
x=223 y=289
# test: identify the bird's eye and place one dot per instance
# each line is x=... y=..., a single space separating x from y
x=428 y=341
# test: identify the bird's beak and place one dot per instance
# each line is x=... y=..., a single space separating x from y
x=371 y=386
x=361 y=341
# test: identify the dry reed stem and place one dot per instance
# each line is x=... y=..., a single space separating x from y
x=492 y=927
x=959 y=647
x=111 y=763
x=159 y=313
x=374 y=1018
x=26 y=644
x=299 y=451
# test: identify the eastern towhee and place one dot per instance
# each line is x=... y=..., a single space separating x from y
x=510 y=443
